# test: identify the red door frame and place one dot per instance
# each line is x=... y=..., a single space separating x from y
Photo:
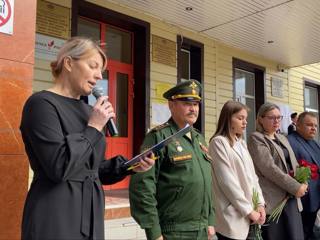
x=119 y=145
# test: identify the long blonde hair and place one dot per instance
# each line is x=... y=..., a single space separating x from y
x=76 y=48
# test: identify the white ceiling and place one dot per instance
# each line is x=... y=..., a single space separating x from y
x=292 y=25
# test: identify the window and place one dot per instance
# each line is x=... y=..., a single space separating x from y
x=119 y=45
x=248 y=82
x=311 y=100
x=244 y=83
x=185 y=64
x=190 y=66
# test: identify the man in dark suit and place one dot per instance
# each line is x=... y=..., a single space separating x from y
x=306 y=148
x=292 y=127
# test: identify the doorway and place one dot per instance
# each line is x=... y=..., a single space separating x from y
x=117 y=83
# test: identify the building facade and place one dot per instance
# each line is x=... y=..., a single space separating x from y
x=147 y=55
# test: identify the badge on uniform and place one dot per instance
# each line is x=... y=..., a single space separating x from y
x=182 y=158
x=178 y=146
x=203 y=148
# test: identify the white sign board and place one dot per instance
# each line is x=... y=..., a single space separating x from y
x=276 y=87
x=6 y=16
x=47 y=47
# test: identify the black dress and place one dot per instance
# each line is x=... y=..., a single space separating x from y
x=289 y=226
x=66 y=199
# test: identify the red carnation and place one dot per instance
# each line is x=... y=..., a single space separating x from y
x=303 y=163
x=314 y=168
x=314 y=175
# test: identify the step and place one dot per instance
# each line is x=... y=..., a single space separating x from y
x=117 y=204
x=123 y=228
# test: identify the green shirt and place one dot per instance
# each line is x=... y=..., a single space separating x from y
x=176 y=194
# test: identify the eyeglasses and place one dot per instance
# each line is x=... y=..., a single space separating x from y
x=273 y=118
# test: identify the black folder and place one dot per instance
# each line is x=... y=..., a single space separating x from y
x=159 y=145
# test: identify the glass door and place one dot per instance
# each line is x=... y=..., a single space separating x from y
x=117 y=84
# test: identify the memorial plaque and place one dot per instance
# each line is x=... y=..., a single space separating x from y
x=53 y=20
x=164 y=51
x=276 y=87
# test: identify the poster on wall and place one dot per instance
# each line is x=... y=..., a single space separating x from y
x=160 y=113
x=6 y=16
x=47 y=47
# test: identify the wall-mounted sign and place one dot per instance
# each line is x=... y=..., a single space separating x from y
x=53 y=20
x=276 y=87
x=160 y=89
x=6 y=16
x=163 y=51
x=47 y=47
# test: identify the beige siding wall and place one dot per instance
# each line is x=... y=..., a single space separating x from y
x=297 y=76
x=224 y=78
x=42 y=72
x=218 y=81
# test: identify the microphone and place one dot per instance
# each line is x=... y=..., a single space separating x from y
x=111 y=126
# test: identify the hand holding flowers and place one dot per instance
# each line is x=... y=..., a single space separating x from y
x=304 y=173
x=262 y=212
x=311 y=172
x=258 y=216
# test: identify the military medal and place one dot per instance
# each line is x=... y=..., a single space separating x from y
x=178 y=146
x=203 y=147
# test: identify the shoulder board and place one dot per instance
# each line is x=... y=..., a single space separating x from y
x=159 y=127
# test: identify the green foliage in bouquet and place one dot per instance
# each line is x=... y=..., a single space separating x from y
x=304 y=173
x=256 y=227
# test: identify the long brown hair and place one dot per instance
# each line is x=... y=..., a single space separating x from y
x=224 y=123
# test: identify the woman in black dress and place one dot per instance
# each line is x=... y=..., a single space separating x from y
x=65 y=145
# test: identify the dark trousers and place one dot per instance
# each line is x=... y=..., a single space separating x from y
x=221 y=237
x=249 y=237
x=289 y=225
x=308 y=219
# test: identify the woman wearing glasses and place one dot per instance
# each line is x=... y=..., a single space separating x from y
x=275 y=161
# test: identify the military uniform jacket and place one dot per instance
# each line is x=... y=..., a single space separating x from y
x=176 y=194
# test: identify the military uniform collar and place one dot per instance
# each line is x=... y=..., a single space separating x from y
x=173 y=124
x=175 y=127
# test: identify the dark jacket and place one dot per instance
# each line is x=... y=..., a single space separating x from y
x=308 y=150
x=291 y=128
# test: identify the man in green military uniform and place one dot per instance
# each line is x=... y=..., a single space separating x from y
x=174 y=199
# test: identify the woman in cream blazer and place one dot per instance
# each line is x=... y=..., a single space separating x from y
x=274 y=159
x=234 y=177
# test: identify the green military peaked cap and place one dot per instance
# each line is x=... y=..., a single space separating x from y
x=184 y=91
